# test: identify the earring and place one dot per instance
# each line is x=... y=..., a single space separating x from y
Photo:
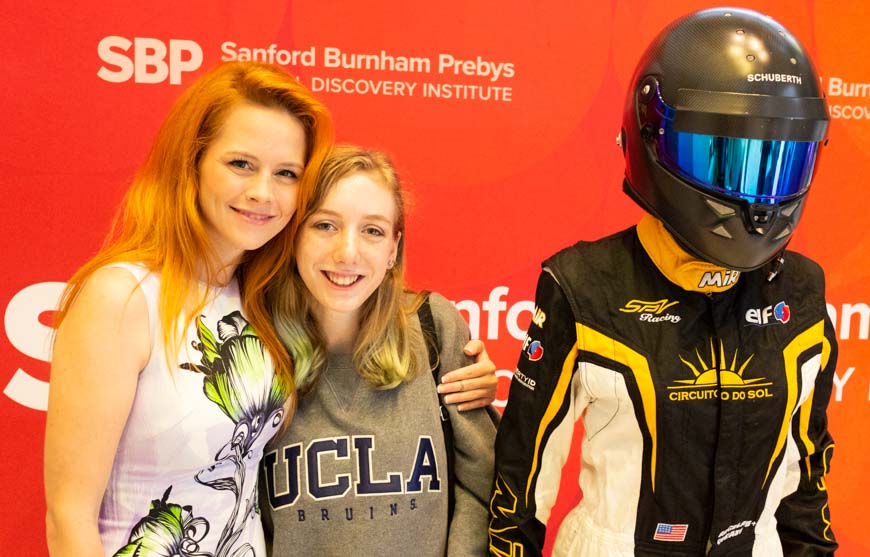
x=390 y=263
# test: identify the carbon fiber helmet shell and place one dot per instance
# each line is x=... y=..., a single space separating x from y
x=723 y=73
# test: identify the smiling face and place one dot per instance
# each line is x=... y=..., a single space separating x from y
x=249 y=179
x=344 y=249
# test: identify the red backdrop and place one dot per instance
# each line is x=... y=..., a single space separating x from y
x=501 y=117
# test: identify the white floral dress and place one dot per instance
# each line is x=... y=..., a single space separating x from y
x=184 y=477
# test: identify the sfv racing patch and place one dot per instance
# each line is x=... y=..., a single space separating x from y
x=651 y=311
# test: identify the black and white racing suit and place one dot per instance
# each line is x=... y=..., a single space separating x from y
x=702 y=394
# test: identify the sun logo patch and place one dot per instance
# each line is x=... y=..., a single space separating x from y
x=721 y=377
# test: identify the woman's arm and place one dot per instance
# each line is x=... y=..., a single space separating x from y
x=100 y=347
x=473 y=439
x=472 y=386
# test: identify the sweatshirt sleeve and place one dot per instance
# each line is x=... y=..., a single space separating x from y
x=474 y=435
x=803 y=518
x=535 y=433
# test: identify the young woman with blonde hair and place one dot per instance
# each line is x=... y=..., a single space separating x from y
x=366 y=452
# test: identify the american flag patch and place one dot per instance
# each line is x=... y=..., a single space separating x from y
x=670 y=532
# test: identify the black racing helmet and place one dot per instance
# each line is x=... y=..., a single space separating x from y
x=721 y=132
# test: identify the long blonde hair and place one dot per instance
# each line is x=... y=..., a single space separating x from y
x=160 y=225
x=384 y=351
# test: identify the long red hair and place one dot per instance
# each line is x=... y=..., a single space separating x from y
x=160 y=225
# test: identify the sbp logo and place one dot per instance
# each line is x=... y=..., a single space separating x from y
x=148 y=61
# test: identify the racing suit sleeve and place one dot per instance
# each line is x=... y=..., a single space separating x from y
x=803 y=519
x=535 y=434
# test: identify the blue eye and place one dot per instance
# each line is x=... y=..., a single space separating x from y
x=240 y=163
x=288 y=174
x=324 y=226
x=373 y=231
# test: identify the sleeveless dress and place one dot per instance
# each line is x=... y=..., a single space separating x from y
x=184 y=477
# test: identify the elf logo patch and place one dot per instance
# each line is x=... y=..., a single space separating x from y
x=770 y=315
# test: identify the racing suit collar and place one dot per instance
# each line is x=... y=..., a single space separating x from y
x=684 y=270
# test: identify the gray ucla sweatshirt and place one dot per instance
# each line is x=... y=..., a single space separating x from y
x=362 y=471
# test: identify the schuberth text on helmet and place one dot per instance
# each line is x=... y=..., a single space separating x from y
x=721 y=132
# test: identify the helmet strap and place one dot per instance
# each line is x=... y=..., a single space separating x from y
x=778 y=263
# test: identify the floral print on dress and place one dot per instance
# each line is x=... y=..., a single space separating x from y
x=239 y=378
x=169 y=529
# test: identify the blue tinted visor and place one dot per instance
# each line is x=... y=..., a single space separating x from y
x=757 y=170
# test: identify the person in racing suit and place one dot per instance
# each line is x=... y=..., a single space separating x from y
x=695 y=349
